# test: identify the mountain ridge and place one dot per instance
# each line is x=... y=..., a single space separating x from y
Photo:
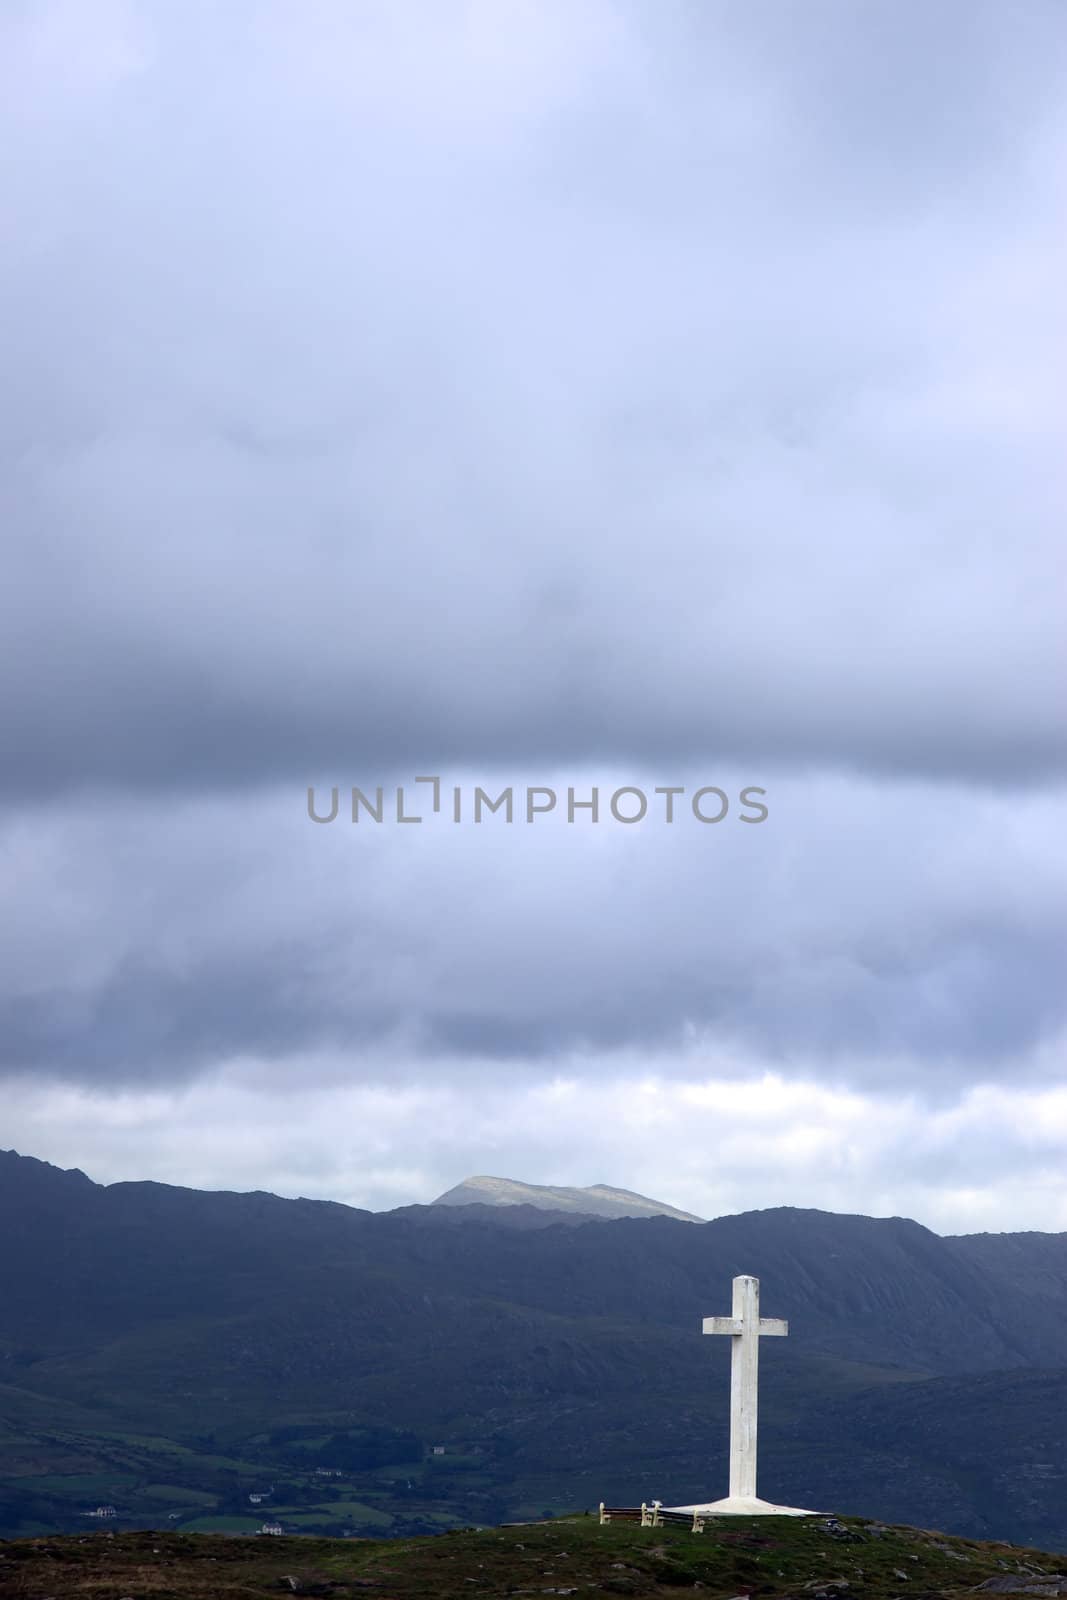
x=12 y=1159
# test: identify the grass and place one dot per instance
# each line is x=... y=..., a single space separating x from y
x=332 y=1515
x=221 y=1525
x=177 y=1495
x=767 y=1558
x=80 y=1484
x=354 y=1511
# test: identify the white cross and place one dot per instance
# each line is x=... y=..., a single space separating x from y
x=745 y=1327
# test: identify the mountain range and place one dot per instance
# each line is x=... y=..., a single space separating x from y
x=171 y=1352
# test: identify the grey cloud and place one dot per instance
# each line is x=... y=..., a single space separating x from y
x=617 y=384
x=894 y=933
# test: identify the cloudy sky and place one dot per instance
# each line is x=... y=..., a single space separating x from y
x=564 y=394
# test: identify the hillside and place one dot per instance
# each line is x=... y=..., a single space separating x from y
x=599 y=1200
x=172 y=1352
x=820 y=1558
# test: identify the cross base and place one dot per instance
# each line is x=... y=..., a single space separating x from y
x=744 y=1506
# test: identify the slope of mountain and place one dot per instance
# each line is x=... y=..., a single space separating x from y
x=1022 y=1263
x=599 y=1200
x=161 y=1347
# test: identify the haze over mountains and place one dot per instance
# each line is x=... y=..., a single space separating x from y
x=173 y=1349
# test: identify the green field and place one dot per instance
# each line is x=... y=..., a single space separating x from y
x=176 y=1494
x=224 y=1525
x=51 y=1477
x=80 y=1485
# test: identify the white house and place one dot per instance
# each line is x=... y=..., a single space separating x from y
x=271 y=1527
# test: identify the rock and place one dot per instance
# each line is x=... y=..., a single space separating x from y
x=947 y=1550
x=1054 y=1584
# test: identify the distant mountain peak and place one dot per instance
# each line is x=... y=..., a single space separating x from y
x=598 y=1200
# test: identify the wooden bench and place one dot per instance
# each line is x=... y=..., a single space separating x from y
x=683 y=1519
x=653 y=1516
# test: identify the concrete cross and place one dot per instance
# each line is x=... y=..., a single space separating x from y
x=745 y=1327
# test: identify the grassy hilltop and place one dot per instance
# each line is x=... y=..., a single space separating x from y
x=780 y=1558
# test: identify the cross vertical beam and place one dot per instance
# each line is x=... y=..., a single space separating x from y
x=745 y=1326
x=744 y=1389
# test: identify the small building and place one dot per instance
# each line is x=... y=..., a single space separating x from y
x=272 y=1527
x=256 y=1499
x=104 y=1511
x=438 y=1449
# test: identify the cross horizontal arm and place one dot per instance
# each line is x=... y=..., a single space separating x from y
x=734 y=1325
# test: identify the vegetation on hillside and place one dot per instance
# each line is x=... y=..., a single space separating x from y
x=772 y=1558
